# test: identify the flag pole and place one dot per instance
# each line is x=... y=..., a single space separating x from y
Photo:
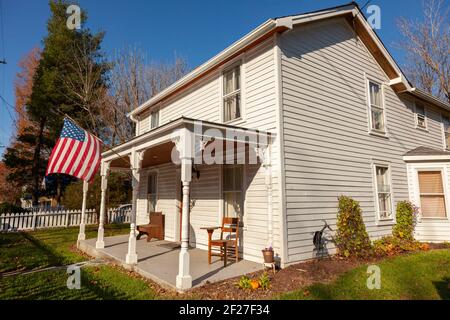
x=82 y=234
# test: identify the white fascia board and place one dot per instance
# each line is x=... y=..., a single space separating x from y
x=254 y=35
x=427 y=158
x=429 y=98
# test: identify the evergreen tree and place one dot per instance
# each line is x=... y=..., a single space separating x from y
x=54 y=93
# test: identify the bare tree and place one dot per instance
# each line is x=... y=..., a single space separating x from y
x=134 y=80
x=86 y=86
x=427 y=44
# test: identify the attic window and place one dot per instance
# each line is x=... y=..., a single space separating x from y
x=377 y=117
x=421 y=119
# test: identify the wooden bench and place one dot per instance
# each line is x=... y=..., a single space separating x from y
x=155 y=229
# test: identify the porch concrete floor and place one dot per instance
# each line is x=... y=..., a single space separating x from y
x=159 y=262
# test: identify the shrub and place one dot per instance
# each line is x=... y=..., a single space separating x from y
x=7 y=207
x=244 y=283
x=406 y=221
x=264 y=281
x=351 y=236
x=391 y=245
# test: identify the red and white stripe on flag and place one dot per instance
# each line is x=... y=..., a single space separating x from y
x=76 y=153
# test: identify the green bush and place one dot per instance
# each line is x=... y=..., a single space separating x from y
x=244 y=283
x=7 y=207
x=352 y=239
x=406 y=221
x=391 y=245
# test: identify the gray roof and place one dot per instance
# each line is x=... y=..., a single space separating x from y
x=425 y=151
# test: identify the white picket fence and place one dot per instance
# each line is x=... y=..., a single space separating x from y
x=53 y=219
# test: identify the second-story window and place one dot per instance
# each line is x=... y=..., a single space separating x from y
x=421 y=119
x=154 y=119
x=446 y=125
x=376 y=108
x=232 y=94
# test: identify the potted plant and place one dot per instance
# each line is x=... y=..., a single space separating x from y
x=268 y=254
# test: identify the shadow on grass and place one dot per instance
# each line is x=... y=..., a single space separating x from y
x=443 y=288
x=54 y=258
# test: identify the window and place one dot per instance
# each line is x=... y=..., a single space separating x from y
x=421 y=119
x=446 y=124
x=154 y=119
x=432 y=197
x=376 y=108
x=383 y=191
x=232 y=94
x=232 y=191
x=152 y=188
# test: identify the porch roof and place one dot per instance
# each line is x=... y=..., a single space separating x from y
x=163 y=135
x=426 y=154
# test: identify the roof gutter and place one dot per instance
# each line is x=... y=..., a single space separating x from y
x=270 y=25
x=429 y=98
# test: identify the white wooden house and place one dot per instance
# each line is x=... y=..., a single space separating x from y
x=339 y=118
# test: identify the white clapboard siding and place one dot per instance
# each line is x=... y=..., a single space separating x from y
x=328 y=151
x=433 y=231
x=203 y=101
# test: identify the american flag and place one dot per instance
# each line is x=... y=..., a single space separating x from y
x=76 y=153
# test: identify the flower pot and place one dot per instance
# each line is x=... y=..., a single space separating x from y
x=268 y=256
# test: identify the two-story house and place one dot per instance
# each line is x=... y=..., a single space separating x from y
x=338 y=117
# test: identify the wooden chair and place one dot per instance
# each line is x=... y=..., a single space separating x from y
x=228 y=242
x=155 y=229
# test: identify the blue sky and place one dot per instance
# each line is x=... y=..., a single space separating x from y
x=194 y=29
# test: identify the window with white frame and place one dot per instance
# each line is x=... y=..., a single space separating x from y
x=376 y=108
x=383 y=191
x=421 y=118
x=152 y=189
x=232 y=94
x=232 y=186
x=446 y=126
x=154 y=119
x=432 y=195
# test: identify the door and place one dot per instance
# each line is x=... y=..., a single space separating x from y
x=432 y=194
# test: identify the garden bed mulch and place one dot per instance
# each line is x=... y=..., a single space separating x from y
x=292 y=278
x=288 y=279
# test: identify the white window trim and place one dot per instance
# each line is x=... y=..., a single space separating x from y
x=444 y=141
x=444 y=174
x=241 y=62
x=156 y=173
x=416 y=122
x=371 y=131
x=383 y=221
x=243 y=191
x=150 y=116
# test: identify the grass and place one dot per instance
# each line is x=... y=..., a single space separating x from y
x=422 y=275
x=54 y=247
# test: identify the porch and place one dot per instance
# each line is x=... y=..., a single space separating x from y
x=158 y=261
x=178 y=169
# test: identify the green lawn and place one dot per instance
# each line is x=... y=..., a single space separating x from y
x=423 y=275
x=54 y=247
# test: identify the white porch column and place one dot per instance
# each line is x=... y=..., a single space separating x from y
x=81 y=233
x=104 y=171
x=136 y=163
x=264 y=153
x=184 y=143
